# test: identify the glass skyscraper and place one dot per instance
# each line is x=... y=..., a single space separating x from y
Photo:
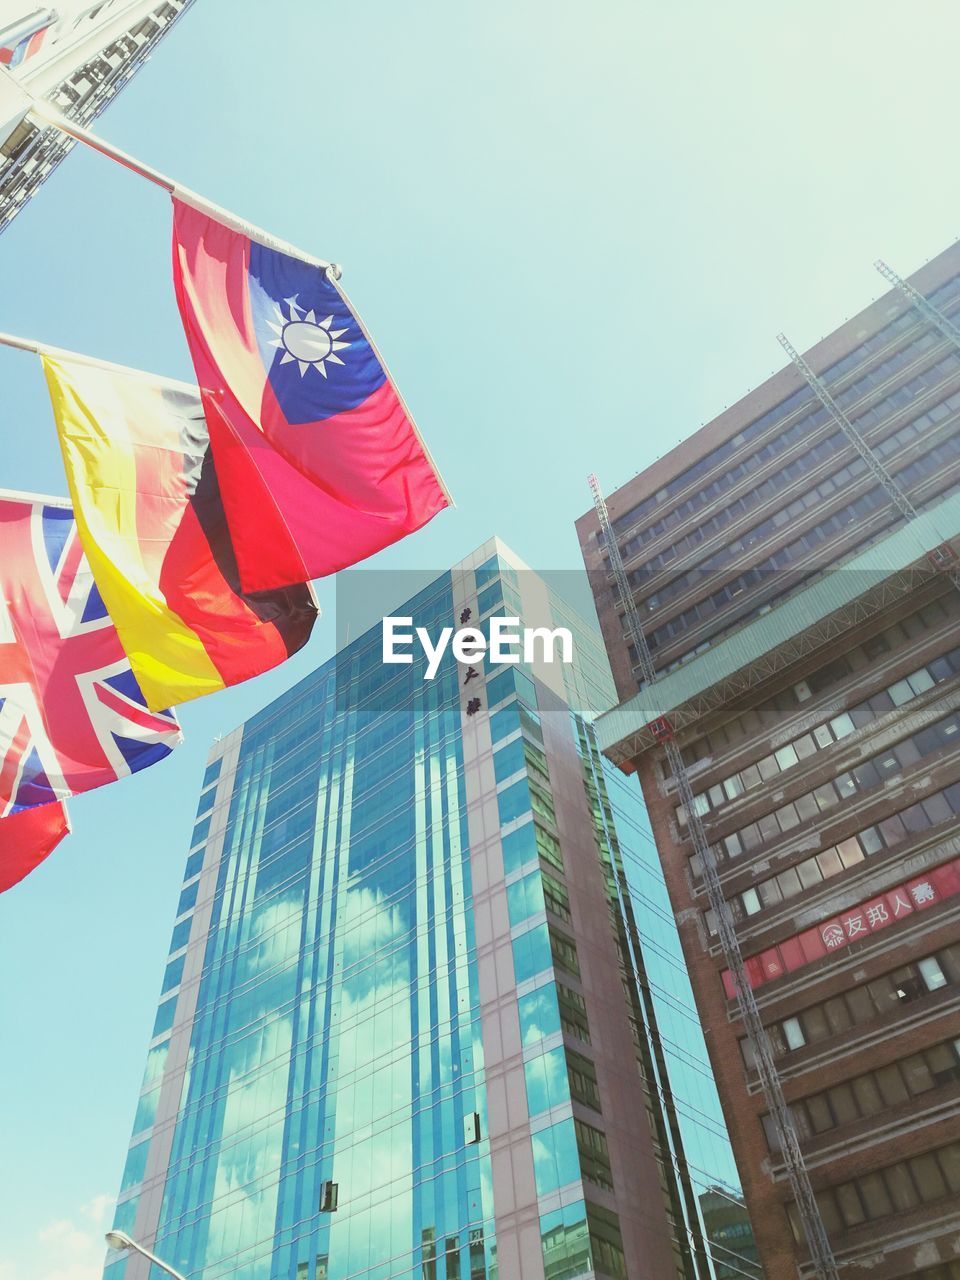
x=424 y=1013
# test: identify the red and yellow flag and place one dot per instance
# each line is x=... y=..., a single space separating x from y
x=147 y=504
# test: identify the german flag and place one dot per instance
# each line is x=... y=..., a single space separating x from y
x=147 y=504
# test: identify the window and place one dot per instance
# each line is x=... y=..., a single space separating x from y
x=188 y=898
x=555 y=1160
x=546 y=1079
x=514 y=801
x=164 y=1019
x=554 y=895
x=525 y=898
x=582 y=1076
x=172 y=975
x=751 y=901
x=531 y=953
x=573 y=1013
x=504 y=722
x=194 y=864
x=509 y=760
x=862 y=1004
x=931 y=973
x=519 y=847
x=594 y=1155
x=181 y=934
x=548 y=846
x=539 y=1014
x=564 y=951
x=793 y=1033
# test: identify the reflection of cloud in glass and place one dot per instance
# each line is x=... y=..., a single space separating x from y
x=256 y=1068
x=373 y=1158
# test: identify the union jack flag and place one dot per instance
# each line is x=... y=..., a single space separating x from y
x=72 y=716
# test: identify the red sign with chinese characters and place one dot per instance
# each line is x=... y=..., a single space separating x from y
x=858 y=922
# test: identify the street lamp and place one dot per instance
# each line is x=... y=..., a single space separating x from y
x=120 y=1240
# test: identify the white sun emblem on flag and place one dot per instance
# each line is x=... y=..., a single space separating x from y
x=305 y=339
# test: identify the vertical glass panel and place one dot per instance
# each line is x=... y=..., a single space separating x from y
x=504 y=722
x=181 y=935
x=164 y=1019
x=546 y=1078
x=525 y=898
x=539 y=1014
x=514 y=801
x=531 y=953
x=200 y=832
x=146 y=1110
x=172 y=974
x=194 y=864
x=188 y=899
x=135 y=1167
x=566 y=1243
x=555 y=1159
x=526 y=689
x=509 y=759
x=519 y=847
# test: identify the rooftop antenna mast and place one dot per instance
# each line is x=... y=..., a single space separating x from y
x=821 y=1254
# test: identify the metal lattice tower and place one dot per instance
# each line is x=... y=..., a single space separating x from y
x=942 y=556
x=926 y=308
x=811 y=1221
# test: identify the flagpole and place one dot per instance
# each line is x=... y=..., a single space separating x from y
x=49 y=115
x=78 y=357
x=21 y=344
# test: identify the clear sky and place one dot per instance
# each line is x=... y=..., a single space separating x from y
x=574 y=232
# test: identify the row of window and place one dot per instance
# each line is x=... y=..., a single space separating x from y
x=930 y=462
x=579 y=1239
x=886 y=369
x=813 y=497
x=816 y=454
x=897 y=1188
x=800 y=430
x=864 y=1002
x=553 y=1078
x=713 y=459
x=830 y=731
x=552 y=1008
x=781 y=584
x=861 y=777
x=943 y=806
x=873 y=1092
x=767 y=715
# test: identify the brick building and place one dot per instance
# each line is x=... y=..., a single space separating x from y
x=808 y=662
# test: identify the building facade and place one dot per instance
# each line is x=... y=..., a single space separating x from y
x=76 y=55
x=407 y=1028
x=805 y=638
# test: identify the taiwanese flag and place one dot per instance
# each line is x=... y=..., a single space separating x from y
x=26 y=838
x=320 y=465
x=146 y=497
x=30 y=41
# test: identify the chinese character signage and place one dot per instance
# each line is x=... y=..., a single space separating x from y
x=851 y=926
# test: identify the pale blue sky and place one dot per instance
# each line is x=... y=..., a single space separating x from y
x=573 y=230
